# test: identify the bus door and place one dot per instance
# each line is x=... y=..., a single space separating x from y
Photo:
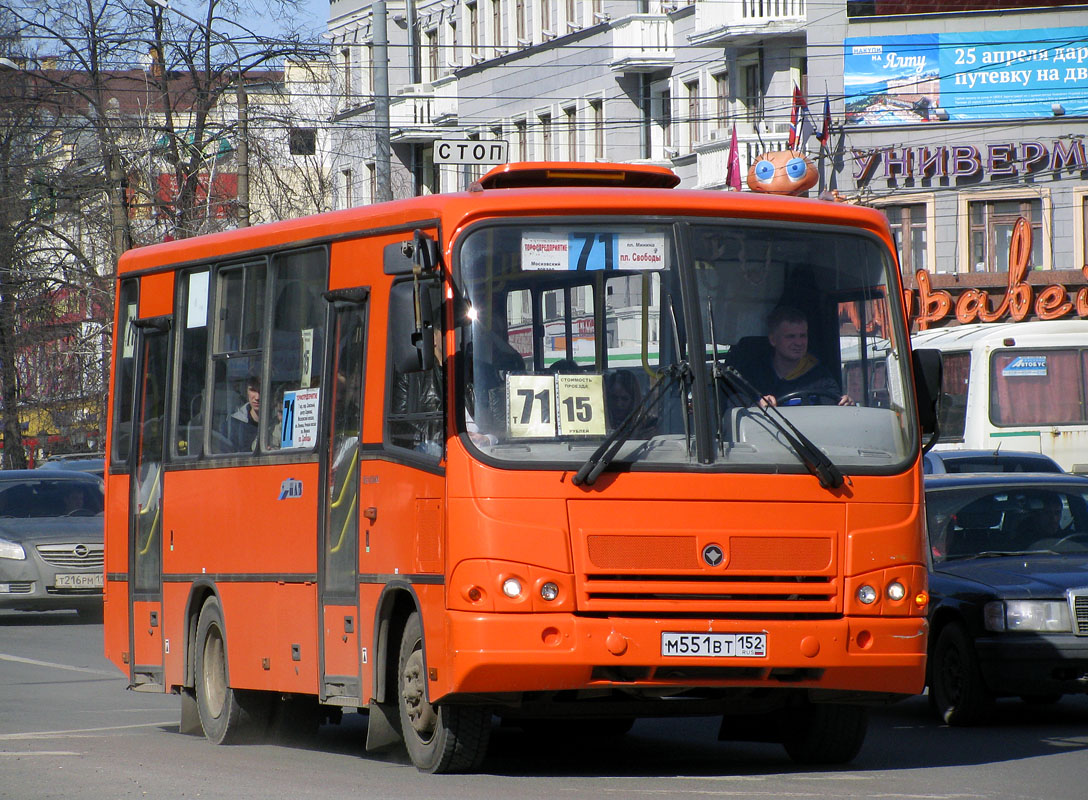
x=146 y=506
x=338 y=576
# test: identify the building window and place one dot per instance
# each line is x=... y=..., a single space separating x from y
x=545 y=137
x=497 y=38
x=302 y=141
x=432 y=54
x=345 y=71
x=570 y=122
x=521 y=137
x=372 y=180
x=519 y=22
x=752 y=97
x=664 y=116
x=454 y=59
x=473 y=29
x=596 y=109
x=692 y=90
x=909 y=224
x=721 y=99
x=991 y=223
x=349 y=195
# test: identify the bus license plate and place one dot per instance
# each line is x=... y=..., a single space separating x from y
x=714 y=645
x=78 y=580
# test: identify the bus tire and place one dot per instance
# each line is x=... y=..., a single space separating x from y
x=956 y=692
x=826 y=733
x=442 y=738
x=218 y=706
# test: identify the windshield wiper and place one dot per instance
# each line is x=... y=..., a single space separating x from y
x=606 y=452
x=815 y=460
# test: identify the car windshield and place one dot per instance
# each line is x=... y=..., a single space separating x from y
x=656 y=339
x=974 y=522
x=26 y=499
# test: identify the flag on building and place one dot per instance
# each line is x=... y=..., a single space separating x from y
x=824 y=136
x=732 y=172
x=802 y=125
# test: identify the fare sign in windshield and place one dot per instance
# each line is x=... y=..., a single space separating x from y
x=467 y=151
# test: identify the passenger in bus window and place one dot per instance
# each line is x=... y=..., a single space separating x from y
x=242 y=426
x=794 y=376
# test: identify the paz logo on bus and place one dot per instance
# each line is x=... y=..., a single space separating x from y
x=713 y=555
x=290 y=488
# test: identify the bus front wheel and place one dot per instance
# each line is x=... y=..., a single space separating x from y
x=826 y=733
x=221 y=709
x=442 y=738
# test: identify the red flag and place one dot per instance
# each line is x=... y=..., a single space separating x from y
x=797 y=118
x=825 y=133
x=732 y=173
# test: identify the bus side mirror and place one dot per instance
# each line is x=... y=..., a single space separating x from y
x=928 y=369
x=414 y=314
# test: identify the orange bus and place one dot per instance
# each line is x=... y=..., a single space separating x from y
x=502 y=455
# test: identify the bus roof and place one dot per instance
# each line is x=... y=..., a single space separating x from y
x=564 y=188
x=1008 y=334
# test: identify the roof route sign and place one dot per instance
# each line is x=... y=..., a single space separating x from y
x=470 y=151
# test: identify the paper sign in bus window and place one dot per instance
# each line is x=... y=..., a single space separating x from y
x=580 y=405
x=298 y=428
x=530 y=406
x=593 y=250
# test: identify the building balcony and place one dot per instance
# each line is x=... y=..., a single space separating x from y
x=746 y=21
x=713 y=155
x=423 y=112
x=642 y=43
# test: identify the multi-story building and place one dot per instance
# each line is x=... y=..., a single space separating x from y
x=605 y=80
x=957 y=117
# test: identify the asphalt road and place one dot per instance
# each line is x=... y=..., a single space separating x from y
x=69 y=729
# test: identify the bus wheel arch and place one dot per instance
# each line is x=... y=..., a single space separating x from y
x=397 y=604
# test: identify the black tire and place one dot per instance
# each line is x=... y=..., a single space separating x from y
x=956 y=692
x=443 y=738
x=226 y=715
x=828 y=733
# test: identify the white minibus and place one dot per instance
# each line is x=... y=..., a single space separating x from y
x=1015 y=386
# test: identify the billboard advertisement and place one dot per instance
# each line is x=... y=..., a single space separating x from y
x=930 y=77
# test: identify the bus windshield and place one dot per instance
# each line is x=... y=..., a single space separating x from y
x=681 y=333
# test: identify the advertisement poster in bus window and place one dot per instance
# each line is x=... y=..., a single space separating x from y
x=298 y=429
x=958 y=77
x=1024 y=367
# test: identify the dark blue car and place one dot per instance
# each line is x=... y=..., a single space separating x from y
x=1009 y=590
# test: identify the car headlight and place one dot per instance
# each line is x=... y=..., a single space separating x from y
x=12 y=550
x=1027 y=615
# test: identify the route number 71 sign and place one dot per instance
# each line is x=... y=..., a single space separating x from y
x=548 y=406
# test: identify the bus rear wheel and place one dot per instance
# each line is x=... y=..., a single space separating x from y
x=225 y=714
x=442 y=738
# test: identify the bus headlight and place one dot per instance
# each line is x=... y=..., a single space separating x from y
x=511 y=587
x=867 y=594
x=549 y=591
x=896 y=591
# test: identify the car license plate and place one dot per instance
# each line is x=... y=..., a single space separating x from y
x=714 y=645
x=78 y=580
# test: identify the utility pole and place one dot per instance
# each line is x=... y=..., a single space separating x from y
x=382 y=168
x=242 y=100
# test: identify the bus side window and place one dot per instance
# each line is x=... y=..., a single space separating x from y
x=416 y=397
x=238 y=357
x=297 y=344
x=189 y=422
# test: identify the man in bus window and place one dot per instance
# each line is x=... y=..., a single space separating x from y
x=794 y=376
x=242 y=426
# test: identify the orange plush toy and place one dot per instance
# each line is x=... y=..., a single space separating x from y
x=782 y=172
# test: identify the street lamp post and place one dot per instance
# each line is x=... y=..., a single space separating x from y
x=243 y=112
